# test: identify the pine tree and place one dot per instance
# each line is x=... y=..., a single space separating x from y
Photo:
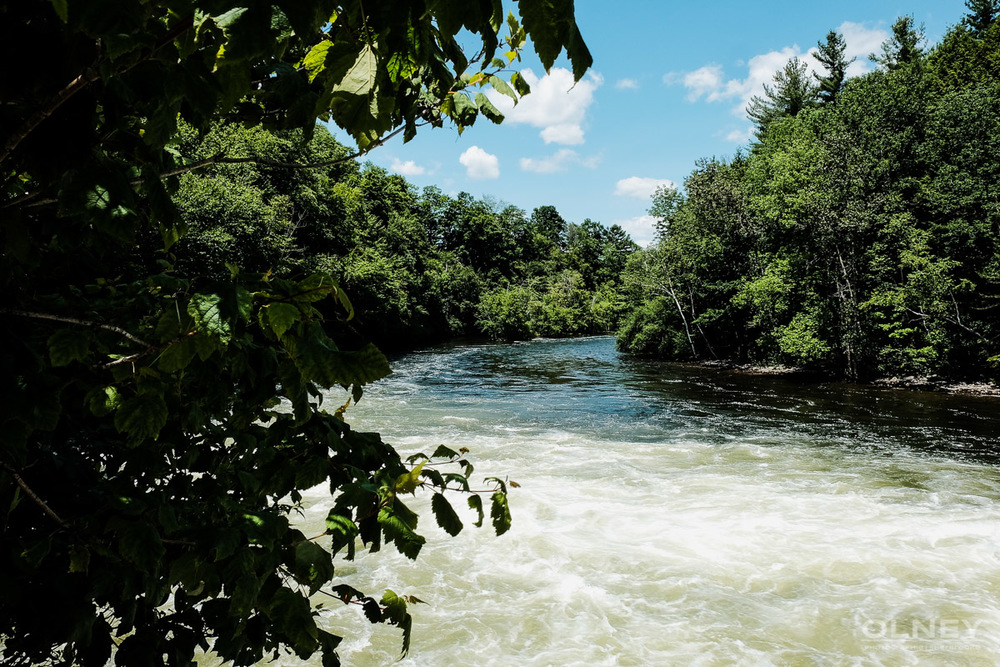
x=904 y=47
x=792 y=92
x=831 y=56
x=982 y=14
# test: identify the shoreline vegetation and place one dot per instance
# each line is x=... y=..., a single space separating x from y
x=858 y=235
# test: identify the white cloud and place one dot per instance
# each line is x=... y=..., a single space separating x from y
x=861 y=41
x=627 y=84
x=408 y=168
x=561 y=160
x=564 y=134
x=703 y=81
x=710 y=82
x=641 y=187
x=480 y=165
x=642 y=229
x=740 y=136
x=555 y=104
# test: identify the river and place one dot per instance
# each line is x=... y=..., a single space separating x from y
x=670 y=515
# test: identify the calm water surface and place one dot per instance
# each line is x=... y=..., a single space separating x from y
x=677 y=516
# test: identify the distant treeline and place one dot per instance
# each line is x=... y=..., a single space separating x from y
x=857 y=235
x=418 y=266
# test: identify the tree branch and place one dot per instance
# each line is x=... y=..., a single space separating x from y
x=73 y=320
x=89 y=76
x=76 y=85
x=34 y=496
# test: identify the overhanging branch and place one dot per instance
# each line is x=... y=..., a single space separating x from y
x=73 y=320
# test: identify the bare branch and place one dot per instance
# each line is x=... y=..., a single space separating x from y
x=37 y=118
x=73 y=320
x=34 y=496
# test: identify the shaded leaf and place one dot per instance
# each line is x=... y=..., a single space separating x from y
x=476 y=503
x=62 y=9
x=500 y=512
x=281 y=317
x=445 y=515
x=142 y=417
x=342 y=531
x=313 y=565
x=67 y=346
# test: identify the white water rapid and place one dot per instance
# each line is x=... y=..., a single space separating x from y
x=677 y=516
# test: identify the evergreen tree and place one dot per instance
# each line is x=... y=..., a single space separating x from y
x=791 y=93
x=904 y=47
x=831 y=56
x=982 y=14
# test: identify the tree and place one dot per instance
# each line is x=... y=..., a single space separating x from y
x=667 y=201
x=982 y=14
x=830 y=54
x=791 y=93
x=904 y=47
x=160 y=426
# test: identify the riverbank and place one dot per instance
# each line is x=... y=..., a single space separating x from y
x=910 y=382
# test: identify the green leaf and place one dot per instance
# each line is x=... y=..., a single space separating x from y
x=244 y=303
x=465 y=109
x=67 y=346
x=319 y=360
x=62 y=9
x=502 y=87
x=139 y=543
x=328 y=644
x=228 y=19
x=316 y=287
x=445 y=515
x=434 y=476
x=394 y=612
x=103 y=400
x=520 y=85
x=476 y=503
x=342 y=531
x=37 y=552
x=79 y=558
x=500 y=512
x=281 y=317
x=488 y=109
x=206 y=311
x=315 y=60
x=399 y=532
x=142 y=417
x=245 y=594
x=291 y=614
x=177 y=356
x=409 y=481
x=443 y=452
x=360 y=78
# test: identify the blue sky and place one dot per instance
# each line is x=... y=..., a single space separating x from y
x=669 y=85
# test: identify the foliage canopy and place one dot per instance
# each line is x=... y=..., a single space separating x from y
x=161 y=421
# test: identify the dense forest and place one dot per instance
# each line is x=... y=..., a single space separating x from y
x=858 y=234
x=418 y=267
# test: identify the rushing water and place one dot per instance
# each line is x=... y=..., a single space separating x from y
x=669 y=515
